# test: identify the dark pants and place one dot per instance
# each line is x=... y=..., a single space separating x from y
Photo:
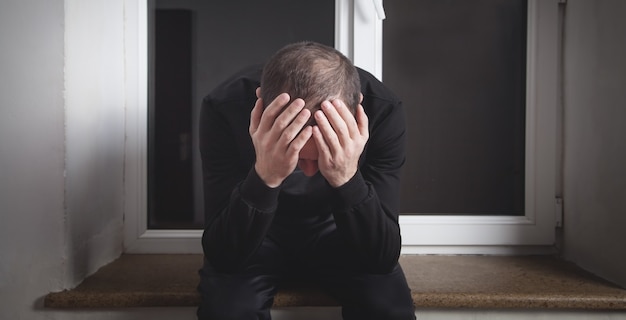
x=325 y=262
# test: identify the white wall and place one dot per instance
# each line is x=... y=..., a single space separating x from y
x=32 y=154
x=62 y=143
x=595 y=137
x=94 y=101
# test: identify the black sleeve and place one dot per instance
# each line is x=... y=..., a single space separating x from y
x=239 y=207
x=366 y=208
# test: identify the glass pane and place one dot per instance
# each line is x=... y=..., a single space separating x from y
x=193 y=46
x=459 y=67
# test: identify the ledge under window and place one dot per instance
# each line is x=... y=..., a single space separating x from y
x=482 y=282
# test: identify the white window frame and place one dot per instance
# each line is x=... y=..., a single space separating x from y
x=359 y=36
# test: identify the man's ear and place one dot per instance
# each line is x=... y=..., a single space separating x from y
x=360 y=98
x=258 y=93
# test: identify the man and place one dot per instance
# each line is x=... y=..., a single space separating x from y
x=303 y=185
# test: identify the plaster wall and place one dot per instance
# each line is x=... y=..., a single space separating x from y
x=61 y=147
x=95 y=118
x=595 y=136
x=32 y=154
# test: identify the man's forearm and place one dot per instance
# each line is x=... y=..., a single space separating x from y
x=367 y=224
x=236 y=231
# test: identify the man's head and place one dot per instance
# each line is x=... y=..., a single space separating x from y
x=313 y=72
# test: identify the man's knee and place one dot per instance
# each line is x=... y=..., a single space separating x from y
x=380 y=297
x=235 y=309
x=385 y=309
x=227 y=296
x=381 y=307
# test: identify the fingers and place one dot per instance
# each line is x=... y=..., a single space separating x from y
x=278 y=135
x=272 y=111
x=344 y=112
x=340 y=138
x=295 y=129
x=327 y=132
x=362 y=121
x=280 y=122
x=339 y=125
x=298 y=143
x=255 y=116
x=348 y=118
x=335 y=113
x=289 y=114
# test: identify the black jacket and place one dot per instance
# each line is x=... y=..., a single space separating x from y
x=240 y=210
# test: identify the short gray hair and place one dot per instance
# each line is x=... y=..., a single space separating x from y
x=313 y=72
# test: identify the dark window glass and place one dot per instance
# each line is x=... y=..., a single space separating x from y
x=193 y=46
x=459 y=67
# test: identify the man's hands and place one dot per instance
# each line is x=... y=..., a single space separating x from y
x=278 y=136
x=340 y=140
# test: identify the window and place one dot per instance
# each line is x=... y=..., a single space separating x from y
x=460 y=68
x=359 y=34
x=193 y=45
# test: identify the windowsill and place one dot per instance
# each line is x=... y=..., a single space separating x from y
x=484 y=282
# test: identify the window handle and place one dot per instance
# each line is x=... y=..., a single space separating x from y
x=380 y=11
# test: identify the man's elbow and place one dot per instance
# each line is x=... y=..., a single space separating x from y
x=385 y=261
